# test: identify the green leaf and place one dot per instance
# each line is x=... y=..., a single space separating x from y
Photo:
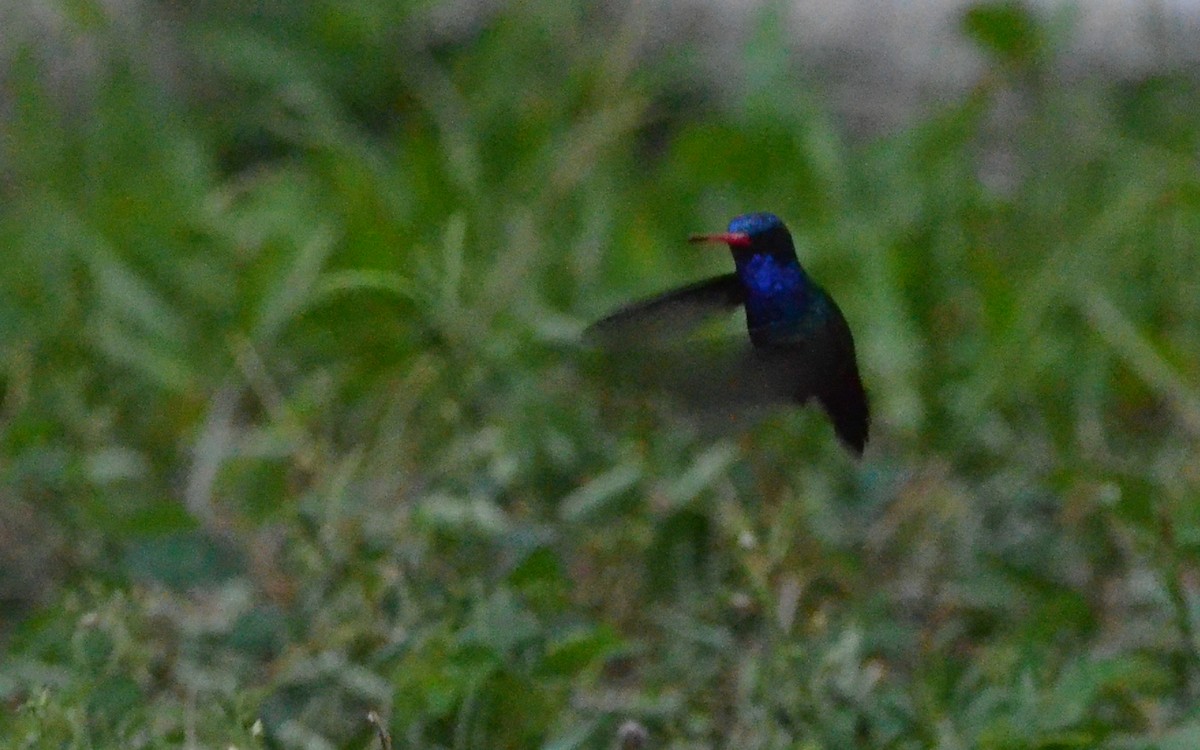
x=1008 y=29
x=182 y=560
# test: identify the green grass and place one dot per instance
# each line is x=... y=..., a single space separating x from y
x=292 y=425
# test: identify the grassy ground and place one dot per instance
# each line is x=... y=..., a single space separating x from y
x=291 y=427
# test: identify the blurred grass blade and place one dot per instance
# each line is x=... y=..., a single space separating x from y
x=295 y=291
x=122 y=292
x=1054 y=284
x=703 y=472
x=338 y=283
x=454 y=245
x=148 y=357
x=1140 y=354
x=599 y=495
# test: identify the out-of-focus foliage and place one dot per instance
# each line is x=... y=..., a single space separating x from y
x=291 y=427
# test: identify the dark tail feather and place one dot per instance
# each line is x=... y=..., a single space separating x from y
x=845 y=402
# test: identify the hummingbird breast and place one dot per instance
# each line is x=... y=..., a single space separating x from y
x=782 y=305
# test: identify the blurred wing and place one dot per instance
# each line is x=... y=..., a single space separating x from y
x=824 y=368
x=714 y=375
x=738 y=375
x=671 y=315
x=645 y=345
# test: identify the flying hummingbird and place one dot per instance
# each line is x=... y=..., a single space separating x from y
x=800 y=345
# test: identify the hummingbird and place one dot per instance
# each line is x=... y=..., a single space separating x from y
x=800 y=345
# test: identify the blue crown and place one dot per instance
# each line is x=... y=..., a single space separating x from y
x=754 y=223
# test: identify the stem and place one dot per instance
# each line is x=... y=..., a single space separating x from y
x=1179 y=604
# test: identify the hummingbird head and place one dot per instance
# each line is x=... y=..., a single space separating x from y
x=754 y=234
x=778 y=292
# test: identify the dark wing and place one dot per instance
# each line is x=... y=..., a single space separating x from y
x=820 y=364
x=839 y=387
x=647 y=346
x=668 y=316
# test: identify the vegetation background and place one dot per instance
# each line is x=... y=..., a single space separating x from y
x=292 y=428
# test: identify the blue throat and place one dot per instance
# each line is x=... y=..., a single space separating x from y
x=779 y=296
x=782 y=303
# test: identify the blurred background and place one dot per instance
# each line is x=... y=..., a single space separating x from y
x=292 y=427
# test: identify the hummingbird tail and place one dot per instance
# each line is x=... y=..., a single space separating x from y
x=845 y=402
